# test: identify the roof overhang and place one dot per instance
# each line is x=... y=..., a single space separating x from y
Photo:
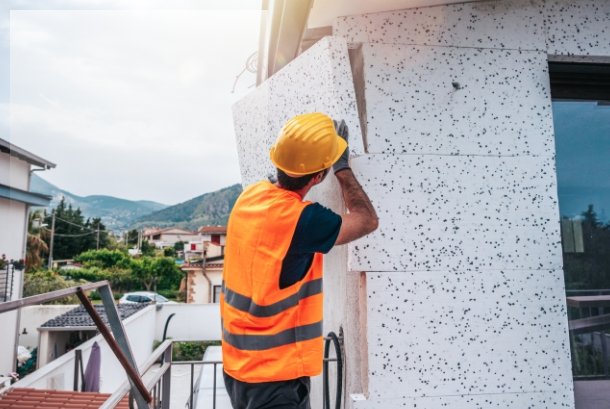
x=17 y=152
x=23 y=196
x=288 y=27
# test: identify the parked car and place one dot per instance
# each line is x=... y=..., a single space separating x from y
x=144 y=297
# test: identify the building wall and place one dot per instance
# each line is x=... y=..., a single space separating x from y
x=59 y=374
x=200 y=290
x=15 y=173
x=458 y=299
x=191 y=322
x=32 y=317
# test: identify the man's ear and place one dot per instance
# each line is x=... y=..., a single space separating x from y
x=319 y=178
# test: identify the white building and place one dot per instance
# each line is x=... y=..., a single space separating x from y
x=169 y=236
x=203 y=265
x=458 y=299
x=16 y=167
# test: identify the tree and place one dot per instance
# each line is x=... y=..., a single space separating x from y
x=36 y=246
x=132 y=237
x=179 y=246
x=44 y=281
x=169 y=252
x=73 y=234
x=147 y=248
x=590 y=269
x=156 y=272
x=103 y=258
x=91 y=241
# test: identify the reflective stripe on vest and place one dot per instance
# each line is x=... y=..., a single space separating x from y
x=268 y=333
x=262 y=342
x=246 y=304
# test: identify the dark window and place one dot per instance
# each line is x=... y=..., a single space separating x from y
x=216 y=238
x=581 y=114
x=217 y=290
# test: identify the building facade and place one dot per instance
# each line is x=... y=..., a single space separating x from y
x=457 y=300
x=16 y=167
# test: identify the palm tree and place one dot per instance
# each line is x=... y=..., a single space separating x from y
x=36 y=245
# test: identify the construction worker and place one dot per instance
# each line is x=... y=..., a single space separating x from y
x=271 y=305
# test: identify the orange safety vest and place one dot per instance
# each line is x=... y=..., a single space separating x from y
x=268 y=333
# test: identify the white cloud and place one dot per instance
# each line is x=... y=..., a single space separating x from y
x=142 y=87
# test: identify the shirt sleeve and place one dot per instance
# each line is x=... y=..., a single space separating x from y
x=316 y=231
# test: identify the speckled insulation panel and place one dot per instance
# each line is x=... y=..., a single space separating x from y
x=438 y=100
x=319 y=80
x=507 y=24
x=465 y=303
x=467 y=333
x=558 y=27
x=459 y=212
x=578 y=27
x=543 y=400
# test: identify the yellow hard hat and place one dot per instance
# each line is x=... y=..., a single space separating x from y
x=307 y=144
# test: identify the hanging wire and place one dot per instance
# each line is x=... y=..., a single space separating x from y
x=69 y=235
x=251 y=66
x=73 y=224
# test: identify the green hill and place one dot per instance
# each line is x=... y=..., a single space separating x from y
x=208 y=209
x=115 y=213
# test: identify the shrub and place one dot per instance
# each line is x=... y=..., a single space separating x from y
x=189 y=350
x=44 y=281
x=173 y=294
x=103 y=258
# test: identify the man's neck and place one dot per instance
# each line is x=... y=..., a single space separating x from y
x=301 y=192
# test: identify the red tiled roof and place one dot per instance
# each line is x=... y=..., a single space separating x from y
x=27 y=398
x=213 y=230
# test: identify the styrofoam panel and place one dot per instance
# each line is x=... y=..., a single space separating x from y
x=458 y=212
x=319 y=80
x=503 y=106
x=578 y=27
x=457 y=333
x=508 y=24
x=253 y=136
x=558 y=399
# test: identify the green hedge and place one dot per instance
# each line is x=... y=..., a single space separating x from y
x=189 y=350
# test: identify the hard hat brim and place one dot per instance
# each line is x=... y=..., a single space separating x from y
x=341 y=147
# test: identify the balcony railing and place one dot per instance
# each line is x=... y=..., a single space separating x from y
x=589 y=323
x=117 y=339
x=152 y=389
x=7 y=278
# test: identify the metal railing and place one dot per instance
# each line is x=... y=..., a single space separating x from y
x=590 y=347
x=7 y=278
x=154 y=393
x=119 y=344
x=192 y=394
x=338 y=360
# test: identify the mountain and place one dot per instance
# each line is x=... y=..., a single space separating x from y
x=208 y=209
x=116 y=213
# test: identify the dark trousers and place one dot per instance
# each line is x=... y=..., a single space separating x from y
x=293 y=394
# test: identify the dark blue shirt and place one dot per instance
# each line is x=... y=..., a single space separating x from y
x=316 y=232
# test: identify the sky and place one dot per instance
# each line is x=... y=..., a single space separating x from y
x=583 y=165
x=129 y=102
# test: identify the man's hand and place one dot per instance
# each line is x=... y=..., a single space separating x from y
x=342 y=162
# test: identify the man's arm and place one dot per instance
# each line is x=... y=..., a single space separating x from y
x=362 y=218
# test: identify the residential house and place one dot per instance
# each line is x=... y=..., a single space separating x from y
x=203 y=264
x=169 y=236
x=16 y=167
x=72 y=328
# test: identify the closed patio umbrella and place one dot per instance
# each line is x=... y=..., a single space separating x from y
x=92 y=373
